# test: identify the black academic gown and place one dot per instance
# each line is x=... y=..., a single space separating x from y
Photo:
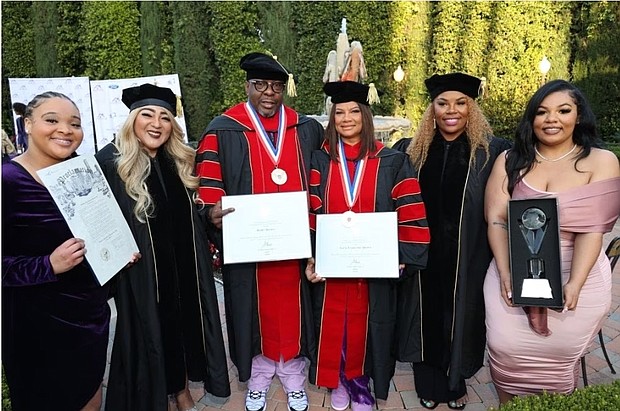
x=449 y=329
x=240 y=286
x=168 y=321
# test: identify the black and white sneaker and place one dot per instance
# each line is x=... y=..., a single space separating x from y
x=256 y=401
x=297 y=401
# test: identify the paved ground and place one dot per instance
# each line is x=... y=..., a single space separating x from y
x=402 y=396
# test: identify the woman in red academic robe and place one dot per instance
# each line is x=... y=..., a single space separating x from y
x=356 y=318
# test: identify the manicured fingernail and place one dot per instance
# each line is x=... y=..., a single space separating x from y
x=564 y=310
x=509 y=294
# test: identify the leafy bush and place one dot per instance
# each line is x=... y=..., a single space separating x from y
x=591 y=398
x=6 y=401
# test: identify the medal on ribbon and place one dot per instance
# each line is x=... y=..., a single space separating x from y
x=351 y=188
x=278 y=175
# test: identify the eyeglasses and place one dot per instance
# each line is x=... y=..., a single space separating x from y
x=261 y=85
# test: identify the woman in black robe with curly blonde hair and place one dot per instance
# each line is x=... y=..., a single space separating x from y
x=453 y=152
x=168 y=328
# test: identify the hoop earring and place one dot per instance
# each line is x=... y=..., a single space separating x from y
x=434 y=124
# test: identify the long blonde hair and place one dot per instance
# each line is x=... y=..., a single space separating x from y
x=478 y=131
x=134 y=164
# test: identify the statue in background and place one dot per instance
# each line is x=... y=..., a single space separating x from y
x=354 y=69
x=342 y=47
x=346 y=63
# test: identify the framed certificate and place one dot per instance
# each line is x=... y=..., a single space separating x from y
x=266 y=227
x=357 y=245
x=534 y=242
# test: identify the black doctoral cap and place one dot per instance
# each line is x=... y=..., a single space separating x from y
x=466 y=84
x=149 y=94
x=264 y=67
x=345 y=91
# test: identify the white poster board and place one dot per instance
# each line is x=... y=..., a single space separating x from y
x=110 y=113
x=76 y=88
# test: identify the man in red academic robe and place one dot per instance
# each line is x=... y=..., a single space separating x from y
x=262 y=146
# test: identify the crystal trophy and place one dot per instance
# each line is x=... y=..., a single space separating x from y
x=533 y=226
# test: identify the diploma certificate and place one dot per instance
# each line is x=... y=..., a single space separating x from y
x=266 y=227
x=357 y=245
x=86 y=202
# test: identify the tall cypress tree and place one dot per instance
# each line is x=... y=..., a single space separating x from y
x=448 y=35
x=111 y=39
x=17 y=52
x=233 y=33
x=150 y=37
x=194 y=64
x=69 y=50
x=317 y=25
x=596 y=68
x=276 y=31
x=277 y=34
x=45 y=20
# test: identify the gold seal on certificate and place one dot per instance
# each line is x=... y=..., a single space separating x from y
x=348 y=218
x=278 y=176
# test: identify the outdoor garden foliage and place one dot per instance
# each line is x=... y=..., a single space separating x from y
x=591 y=398
x=203 y=42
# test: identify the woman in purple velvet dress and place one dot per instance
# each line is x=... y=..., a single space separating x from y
x=55 y=315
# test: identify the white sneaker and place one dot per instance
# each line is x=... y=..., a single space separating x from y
x=297 y=401
x=256 y=400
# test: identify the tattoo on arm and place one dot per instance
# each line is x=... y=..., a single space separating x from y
x=501 y=224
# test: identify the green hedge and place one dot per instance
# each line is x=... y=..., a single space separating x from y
x=591 y=398
x=203 y=41
x=111 y=35
x=6 y=401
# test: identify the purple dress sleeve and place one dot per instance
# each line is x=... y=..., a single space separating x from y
x=26 y=270
x=32 y=228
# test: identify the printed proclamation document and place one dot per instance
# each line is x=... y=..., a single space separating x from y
x=85 y=200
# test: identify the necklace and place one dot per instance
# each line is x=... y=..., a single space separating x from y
x=555 y=159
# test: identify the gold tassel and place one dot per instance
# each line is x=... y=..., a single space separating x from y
x=179 y=107
x=482 y=87
x=291 y=90
x=373 y=95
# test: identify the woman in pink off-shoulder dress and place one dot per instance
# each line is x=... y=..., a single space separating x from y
x=555 y=154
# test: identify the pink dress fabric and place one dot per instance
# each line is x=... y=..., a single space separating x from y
x=523 y=362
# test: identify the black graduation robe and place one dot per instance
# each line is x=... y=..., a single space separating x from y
x=388 y=184
x=232 y=161
x=163 y=299
x=449 y=323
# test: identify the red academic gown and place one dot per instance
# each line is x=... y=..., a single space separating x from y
x=264 y=302
x=364 y=310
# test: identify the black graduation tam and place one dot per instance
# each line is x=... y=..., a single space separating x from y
x=264 y=67
x=345 y=91
x=466 y=84
x=147 y=95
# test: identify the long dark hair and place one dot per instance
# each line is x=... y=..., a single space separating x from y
x=367 y=135
x=520 y=159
